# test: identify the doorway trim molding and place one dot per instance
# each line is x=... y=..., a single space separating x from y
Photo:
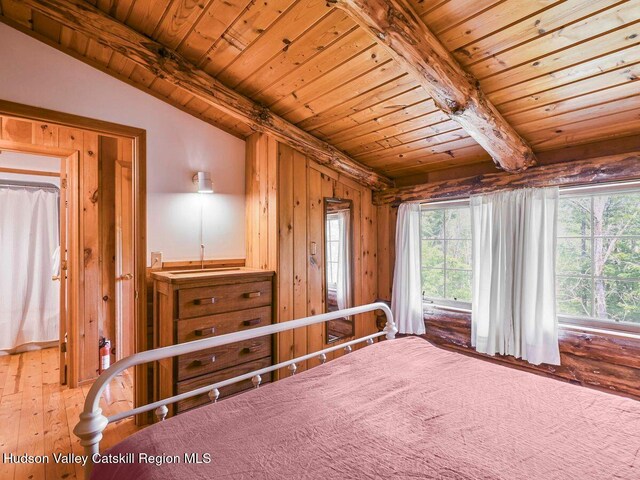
x=139 y=138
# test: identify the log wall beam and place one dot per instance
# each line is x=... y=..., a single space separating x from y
x=164 y=63
x=618 y=167
x=395 y=24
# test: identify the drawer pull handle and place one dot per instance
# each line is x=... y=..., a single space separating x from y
x=252 y=349
x=204 y=301
x=252 y=294
x=253 y=321
x=200 y=363
x=203 y=332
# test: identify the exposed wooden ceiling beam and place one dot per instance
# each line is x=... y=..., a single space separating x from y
x=395 y=24
x=617 y=167
x=164 y=63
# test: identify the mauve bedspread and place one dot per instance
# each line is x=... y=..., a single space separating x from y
x=400 y=409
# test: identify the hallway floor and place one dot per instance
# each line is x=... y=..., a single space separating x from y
x=37 y=414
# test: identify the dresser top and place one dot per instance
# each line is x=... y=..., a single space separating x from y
x=196 y=275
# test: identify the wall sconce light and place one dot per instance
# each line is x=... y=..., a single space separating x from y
x=203 y=181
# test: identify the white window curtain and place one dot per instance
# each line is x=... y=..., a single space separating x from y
x=343 y=286
x=514 y=251
x=29 y=298
x=406 y=302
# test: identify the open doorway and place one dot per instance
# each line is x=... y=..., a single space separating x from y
x=68 y=255
x=31 y=228
x=82 y=189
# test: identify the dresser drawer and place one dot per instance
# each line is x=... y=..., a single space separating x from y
x=197 y=382
x=218 y=358
x=203 y=327
x=196 y=302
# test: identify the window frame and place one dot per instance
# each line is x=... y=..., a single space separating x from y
x=444 y=303
x=328 y=260
x=564 y=321
x=632 y=186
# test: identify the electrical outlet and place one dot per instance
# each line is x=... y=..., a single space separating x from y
x=156 y=260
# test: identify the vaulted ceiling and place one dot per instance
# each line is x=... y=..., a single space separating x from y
x=562 y=73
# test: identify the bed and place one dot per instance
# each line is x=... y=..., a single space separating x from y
x=397 y=409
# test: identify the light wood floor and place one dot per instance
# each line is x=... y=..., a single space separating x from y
x=37 y=414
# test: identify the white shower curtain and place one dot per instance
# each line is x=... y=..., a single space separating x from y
x=343 y=285
x=29 y=298
x=406 y=302
x=514 y=299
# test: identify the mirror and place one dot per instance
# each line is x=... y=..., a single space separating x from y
x=338 y=254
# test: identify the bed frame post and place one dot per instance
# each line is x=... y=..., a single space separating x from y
x=390 y=328
x=89 y=430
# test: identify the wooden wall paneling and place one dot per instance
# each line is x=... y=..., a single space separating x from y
x=301 y=186
x=125 y=240
x=261 y=173
x=263 y=202
x=384 y=276
x=143 y=374
x=251 y=198
x=354 y=194
x=328 y=189
x=272 y=202
x=107 y=161
x=45 y=134
x=63 y=320
x=387 y=216
x=286 y=257
x=300 y=255
x=73 y=140
x=369 y=260
x=17 y=130
x=90 y=241
x=315 y=278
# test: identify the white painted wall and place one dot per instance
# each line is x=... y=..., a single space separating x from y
x=178 y=145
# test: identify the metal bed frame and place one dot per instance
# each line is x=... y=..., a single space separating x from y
x=92 y=422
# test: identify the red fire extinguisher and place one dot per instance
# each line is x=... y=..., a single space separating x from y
x=105 y=355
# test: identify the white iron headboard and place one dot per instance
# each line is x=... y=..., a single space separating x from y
x=93 y=422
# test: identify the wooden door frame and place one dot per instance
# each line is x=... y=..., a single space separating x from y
x=139 y=138
x=66 y=156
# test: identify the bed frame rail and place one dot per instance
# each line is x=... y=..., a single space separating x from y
x=92 y=422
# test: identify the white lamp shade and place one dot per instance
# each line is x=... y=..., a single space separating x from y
x=203 y=181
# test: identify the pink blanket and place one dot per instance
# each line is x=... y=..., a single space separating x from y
x=399 y=409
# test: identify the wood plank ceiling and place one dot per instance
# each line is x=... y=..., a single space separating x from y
x=562 y=72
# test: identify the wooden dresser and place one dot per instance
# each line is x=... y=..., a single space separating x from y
x=195 y=304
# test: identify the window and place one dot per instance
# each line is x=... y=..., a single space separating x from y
x=598 y=255
x=445 y=232
x=333 y=247
x=597 y=263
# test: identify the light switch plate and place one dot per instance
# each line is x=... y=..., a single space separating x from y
x=156 y=260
